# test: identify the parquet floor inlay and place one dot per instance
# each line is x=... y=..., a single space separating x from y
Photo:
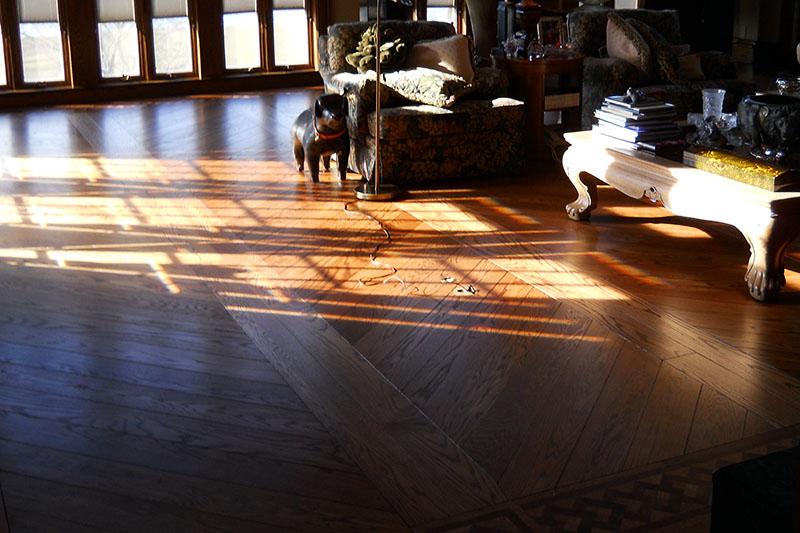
x=193 y=337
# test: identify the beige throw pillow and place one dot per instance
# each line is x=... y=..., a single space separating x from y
x=451 y=55
x=624 y=42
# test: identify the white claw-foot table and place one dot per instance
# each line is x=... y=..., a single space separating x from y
x=768 y=220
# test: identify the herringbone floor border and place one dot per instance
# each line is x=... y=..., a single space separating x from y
x=673 y=493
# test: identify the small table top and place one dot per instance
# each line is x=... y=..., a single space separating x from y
x=547 y=65
x=673 y=172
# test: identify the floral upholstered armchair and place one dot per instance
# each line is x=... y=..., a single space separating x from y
x=604 y=76
x=432 y=125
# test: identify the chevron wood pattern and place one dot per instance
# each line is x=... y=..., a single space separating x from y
x=193 y=337
x=675 y=496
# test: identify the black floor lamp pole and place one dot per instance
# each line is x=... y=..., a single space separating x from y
x=374 y=189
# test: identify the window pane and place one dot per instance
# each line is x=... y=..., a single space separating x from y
x=442 y=14
x=118 y=39
x=172 y=45
x=242 y=46
x=291 y=36
x=119 y=49
x=42 y=52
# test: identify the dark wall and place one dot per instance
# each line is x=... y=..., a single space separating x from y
x=705 y=24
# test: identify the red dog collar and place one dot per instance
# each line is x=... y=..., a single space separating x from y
x=318 y=135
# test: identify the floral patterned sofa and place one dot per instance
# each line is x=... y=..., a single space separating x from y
x=478 y=135
x=604 y=76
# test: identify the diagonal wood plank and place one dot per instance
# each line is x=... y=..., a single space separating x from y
x=553 y=419
x=667 y=419
x=718 y=420
x=738 y=388
x=610 y=429
x=482 y=365
x=193 y=492
x=650 y=327
x=417 y=467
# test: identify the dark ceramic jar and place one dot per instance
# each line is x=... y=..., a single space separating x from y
x=771 y=125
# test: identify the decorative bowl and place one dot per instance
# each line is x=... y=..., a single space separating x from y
x=771 y=126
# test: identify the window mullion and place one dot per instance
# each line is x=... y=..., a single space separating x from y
x=66 y=53
x=192 y=14
x=144 y=25
x=13 y=46
x=267 y=32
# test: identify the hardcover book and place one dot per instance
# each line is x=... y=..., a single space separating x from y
x=638 y=126
x=624 y=120
x=619 y=101
x=742 y=169
x=637 y=113
x=633 y=136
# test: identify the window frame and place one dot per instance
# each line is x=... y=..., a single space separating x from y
x=83 y=68
x=146 y=33
x=270 y=34
x=138 y=15
x=142 y=14
x=266 y=39
x=421 y=12
x=262 y=65
x=12 y=47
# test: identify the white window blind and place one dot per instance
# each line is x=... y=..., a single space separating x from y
x=169 y=8
x=114 y=10
x=288 y=4
x=238 y=6
x=441 y=3
x=37 y=10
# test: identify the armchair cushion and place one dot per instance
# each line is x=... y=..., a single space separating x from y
x=424 y=121
x=452 y=55
x=427 y=86
x=489 y=82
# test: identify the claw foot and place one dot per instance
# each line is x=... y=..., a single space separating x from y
x=579 y=210
x=764 y=287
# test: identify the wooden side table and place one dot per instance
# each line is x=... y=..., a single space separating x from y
x=548 y=84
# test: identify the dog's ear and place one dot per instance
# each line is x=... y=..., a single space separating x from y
x=317 y=108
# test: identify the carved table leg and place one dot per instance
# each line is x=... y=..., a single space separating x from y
x=768 y=244
x=581 y=208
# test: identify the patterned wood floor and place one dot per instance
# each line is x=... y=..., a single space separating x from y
x=193 y=338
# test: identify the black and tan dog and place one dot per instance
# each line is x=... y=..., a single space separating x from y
x=321 y=132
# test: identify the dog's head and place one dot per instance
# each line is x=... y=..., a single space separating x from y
x=330 y=112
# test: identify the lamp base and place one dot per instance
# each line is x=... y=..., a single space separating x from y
x=383 y=192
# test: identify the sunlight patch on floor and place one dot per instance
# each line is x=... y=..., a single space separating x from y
x=542 y=271
x=677 y=230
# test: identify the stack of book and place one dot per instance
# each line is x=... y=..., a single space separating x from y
x=649 y=121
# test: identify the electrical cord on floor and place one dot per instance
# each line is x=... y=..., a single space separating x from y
x=374 y=253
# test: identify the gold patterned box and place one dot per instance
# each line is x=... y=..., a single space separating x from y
x=742 y=169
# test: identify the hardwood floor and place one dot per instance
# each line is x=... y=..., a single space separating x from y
x=193 y=338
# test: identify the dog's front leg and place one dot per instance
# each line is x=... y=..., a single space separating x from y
x=313 y=167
